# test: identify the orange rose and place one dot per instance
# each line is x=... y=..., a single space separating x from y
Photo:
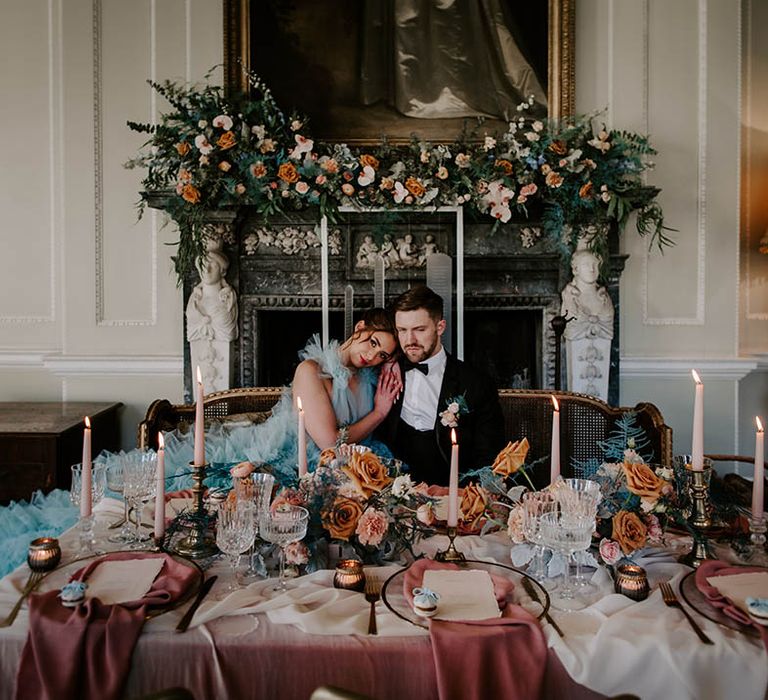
x=326 y=457
x=226 y=140
x=341 y=519
x=190 y=193
x=183 y=148
x=225 y=166
x=554 y=179
x=367 y=159
x=472 y=506
x=558 y=147
x=288 y=173
x=642 y=481
x=511 y=458
x=414 y=187
x=585 y=191
x=505 y=166
x=367 y=472
x=629 y=531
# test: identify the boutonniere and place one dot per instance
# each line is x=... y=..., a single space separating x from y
x=455 y=407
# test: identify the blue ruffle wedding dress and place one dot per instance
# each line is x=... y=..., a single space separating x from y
x=274 y=442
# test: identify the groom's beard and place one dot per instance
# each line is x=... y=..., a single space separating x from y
x=419 y=353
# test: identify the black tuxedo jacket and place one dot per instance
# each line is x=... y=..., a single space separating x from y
x=480 y=432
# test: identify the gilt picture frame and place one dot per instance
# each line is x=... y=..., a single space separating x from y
x=289 y=55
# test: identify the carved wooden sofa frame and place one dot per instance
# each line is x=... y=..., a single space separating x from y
x=584 y=420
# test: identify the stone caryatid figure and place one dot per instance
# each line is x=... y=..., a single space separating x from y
x=588 y=336
x=212 y=319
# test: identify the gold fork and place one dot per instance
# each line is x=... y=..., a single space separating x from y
x=32 y=581
x=670 y=599
x=372 y=595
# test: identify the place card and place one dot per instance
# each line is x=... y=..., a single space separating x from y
x=121 y=581
x=464 y=595
x=738 y=587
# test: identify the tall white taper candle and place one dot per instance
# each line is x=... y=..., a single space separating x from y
x=453 y=483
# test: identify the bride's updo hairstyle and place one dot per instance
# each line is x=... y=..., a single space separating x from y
x=377 y=319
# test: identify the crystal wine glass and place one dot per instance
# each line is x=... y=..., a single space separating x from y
x=98 y=486
x=262 y=494
x=282 y=526
x=139 y=473
x=566 y=534
x=116 y=483
x=535 y=504
x=579 y=498
x=234 y=532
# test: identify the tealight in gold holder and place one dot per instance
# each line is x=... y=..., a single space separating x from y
x=199 y=543
x=631 y=581
x=451 y=555
x=44 y=554
x=349 y=575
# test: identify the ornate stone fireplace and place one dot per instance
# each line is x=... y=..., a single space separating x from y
x=512 y=281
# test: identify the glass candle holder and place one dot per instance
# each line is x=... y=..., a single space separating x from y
x=44 y=554
x=632 y=581
x=349 y=575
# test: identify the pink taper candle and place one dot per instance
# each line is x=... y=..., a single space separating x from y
x=758 y=483
x=453 y=483
x=554 y=461
x=160 y=489
x=302 y=448
x=199 y=422
x=85 y=473
x=697 y=446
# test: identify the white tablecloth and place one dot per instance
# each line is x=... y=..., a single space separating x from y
x=614 y=646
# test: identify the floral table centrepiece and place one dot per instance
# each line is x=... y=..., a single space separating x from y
x=212 y=150
x=356 y=499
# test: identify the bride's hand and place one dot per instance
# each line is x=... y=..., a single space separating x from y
x=388 y=388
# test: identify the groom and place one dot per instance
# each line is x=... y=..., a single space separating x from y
x=418 y=428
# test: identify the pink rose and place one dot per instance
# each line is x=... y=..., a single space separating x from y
x=655 y=533
x=610 y=551
x=320 y=180
x=515 y=524
x=425 y=513
x=302 y=187
x=348 y=189
x=296 y=553
x=528 y=190
x=372 y=527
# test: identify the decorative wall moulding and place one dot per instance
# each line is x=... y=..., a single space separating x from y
x=732 y=369
x=92 y=365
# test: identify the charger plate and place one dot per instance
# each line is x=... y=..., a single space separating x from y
x=698 y=601
x=394 y=597
x=60 y=576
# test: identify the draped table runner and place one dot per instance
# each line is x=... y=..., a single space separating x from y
x=614 y=646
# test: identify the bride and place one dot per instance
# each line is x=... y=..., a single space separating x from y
x=346 y=390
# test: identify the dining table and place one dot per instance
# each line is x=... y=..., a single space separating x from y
x=255 y=642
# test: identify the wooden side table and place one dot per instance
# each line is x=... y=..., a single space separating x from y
x=39 y=442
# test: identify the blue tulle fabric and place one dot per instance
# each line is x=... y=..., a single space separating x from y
x=274 y=442
x=22 y=522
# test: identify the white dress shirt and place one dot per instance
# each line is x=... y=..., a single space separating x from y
x=422 y=393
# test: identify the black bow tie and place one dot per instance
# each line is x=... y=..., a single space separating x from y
x=422 y=367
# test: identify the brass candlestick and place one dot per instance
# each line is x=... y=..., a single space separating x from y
x=199 y=544
x=451 y=555
x=699 y=520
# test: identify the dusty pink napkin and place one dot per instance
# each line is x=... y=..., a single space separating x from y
x=85 y=652
x=504 y=657
x=715 y=598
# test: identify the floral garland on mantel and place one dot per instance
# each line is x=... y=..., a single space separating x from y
x=216 y=150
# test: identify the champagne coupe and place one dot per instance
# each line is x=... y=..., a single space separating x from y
x=262 y=495
x=282 y=526
x=98 y=486
x=566 y=534
x=234 y=533
x=116 y=483
x=579 y=498
x=535 y=504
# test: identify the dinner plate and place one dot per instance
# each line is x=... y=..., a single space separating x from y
x=393 y=594
x=698 y=601
x=60 y=576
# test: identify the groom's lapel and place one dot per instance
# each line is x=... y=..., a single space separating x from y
x=449 y=388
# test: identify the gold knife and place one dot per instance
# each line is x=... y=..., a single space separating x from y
x=204 y=588
x=534 y=596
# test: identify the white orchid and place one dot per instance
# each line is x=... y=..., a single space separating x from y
x=399 y=193
x=201 y=141
x=223 y=122
x=367 y=176
x=303 y=145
